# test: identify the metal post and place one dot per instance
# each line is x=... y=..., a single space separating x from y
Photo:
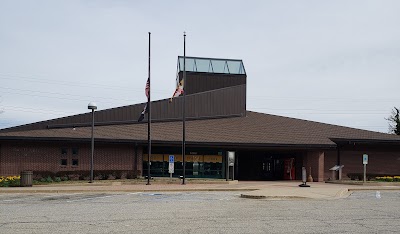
x=184 y=109
x=233 y=173
x=91 y=160
x=135 y=161
x=227 y=167
x=149 y=123
x=365 y=173
x=338 y=163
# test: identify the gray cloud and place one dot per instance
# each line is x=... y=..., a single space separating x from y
x=328 y=61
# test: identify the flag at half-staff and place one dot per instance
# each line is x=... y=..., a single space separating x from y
x=147 y=90
x=141 y=117
x=178 y=91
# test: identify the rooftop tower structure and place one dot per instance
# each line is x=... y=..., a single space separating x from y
x=215 y=88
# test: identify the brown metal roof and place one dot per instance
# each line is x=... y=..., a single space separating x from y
x=255 y=128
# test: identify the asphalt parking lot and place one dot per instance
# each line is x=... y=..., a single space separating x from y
x=196 y=212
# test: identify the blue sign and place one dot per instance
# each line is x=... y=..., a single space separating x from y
x=171 y=159
x=365 y=159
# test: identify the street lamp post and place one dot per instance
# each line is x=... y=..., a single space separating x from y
x=92 y=106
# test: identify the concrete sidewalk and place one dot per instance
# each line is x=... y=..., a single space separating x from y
x=317 y=190
x=291 y=190
x=248 y=189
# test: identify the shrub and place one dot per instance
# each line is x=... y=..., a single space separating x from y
x=37 y=175
x=57 y=179
x=389 y=179
x=42 y=176
x=111 y=177
x=73 y=177
x=123 y=175
x=49 y=179
x=16 y=182
x=9 y=181
x=132 y=175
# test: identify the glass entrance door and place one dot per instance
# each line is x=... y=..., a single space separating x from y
x=268 y=169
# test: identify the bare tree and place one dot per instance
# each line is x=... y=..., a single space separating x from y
x=394 y=121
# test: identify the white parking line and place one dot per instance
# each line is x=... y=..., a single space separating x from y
x=17 y=199
x=89 y=198
x=134 y=193
x=108 y=196
x=62 y=195
x=28 y=197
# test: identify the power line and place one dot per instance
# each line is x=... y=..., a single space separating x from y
x=291 y=111
x=64 y=94
x=77 y=84
x=307 y=109
x=34 y=110
x=323 y=99
x=64 y=98
x=330 y=113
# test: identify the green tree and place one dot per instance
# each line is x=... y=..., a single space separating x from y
x=394 y=121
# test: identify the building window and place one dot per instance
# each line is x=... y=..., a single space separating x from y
x=64 y=151
x=75 y=151
x=75 y=162
x=64 y=162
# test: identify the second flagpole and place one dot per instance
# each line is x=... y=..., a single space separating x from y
x=149 y=123
x=184 y=110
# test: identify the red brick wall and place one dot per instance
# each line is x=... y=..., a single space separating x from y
x=16 y=157
x=46 y=156
x=380 y=161
x=314 y=160
x=330 y=161
x=139 y=161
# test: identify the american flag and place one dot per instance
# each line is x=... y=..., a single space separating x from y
x=141 y=117
x=178 y=91
x=147 y=89
x=147 y=92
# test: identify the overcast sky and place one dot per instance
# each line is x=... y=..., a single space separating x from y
x=335 y=62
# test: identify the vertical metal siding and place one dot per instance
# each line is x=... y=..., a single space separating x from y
x=200 y=82
x=208 y=95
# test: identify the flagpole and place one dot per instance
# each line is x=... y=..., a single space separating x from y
x=184 y=109
x=149 y=123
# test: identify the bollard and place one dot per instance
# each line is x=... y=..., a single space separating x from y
x=304 y=178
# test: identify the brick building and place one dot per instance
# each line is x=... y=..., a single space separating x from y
x=267 y=147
